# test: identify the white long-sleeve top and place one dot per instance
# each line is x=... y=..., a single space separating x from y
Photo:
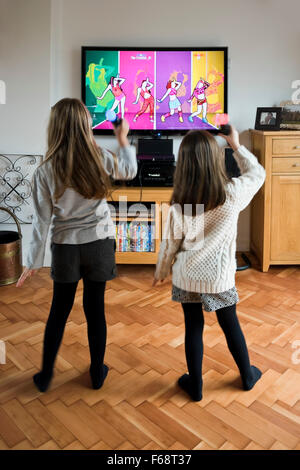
x=208 y=264
x=73 y=219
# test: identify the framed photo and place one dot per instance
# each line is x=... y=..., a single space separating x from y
x=290 y=115
x=268 y=119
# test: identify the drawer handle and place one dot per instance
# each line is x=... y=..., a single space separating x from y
x=297 y=146
x=296 y=164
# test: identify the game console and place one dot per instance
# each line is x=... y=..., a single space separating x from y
x=156 y=163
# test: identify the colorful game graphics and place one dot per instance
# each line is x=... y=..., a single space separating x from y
x=156 y=90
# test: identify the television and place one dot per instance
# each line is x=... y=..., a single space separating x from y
x=160 y=91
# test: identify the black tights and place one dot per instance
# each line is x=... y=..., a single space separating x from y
x=62 y=303
x=227 y=318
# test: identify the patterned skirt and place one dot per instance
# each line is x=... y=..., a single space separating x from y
x=210 y=302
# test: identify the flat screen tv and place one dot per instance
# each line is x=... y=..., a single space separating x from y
x=158 y=90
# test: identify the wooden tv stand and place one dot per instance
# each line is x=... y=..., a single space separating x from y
x=160 y=198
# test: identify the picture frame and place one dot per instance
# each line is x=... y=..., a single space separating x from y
x=290 y=115
x=268 y=119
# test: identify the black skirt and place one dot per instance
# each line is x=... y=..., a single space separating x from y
x=94 y=261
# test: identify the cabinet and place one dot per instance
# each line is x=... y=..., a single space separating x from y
x=145 y=207
x=275 y=209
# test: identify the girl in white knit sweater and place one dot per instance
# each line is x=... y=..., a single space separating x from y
x=200 y=247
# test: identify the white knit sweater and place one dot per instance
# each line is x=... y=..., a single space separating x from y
x=209 y=267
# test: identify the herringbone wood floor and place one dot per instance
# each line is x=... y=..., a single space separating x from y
x=140 y=405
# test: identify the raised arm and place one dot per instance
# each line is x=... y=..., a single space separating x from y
x=205 y=83
x=121 y=81
x=149 y=84
x=252 y=176
x=177 y=85
x=123 y=164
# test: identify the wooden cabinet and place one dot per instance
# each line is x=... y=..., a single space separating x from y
x=157 y=199
x=275 y=209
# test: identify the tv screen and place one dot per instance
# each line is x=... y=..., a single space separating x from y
x=161 y=90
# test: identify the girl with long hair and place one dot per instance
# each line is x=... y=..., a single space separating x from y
x=69 y=193
x=200 y=241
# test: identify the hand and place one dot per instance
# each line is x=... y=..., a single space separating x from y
x=232 y=139
x=25 y=274
x=155 y=281
x=121 y=133
x=134 y=102
x=158 y=100
x=189 y=101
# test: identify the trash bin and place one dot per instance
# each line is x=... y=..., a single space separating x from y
x=10 y=253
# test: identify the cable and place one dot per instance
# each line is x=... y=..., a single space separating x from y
x=140 y=180
x=247 y=261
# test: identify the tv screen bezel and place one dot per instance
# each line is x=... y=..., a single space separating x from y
x=153 y=132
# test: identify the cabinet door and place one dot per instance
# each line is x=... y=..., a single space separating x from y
x=285 y=219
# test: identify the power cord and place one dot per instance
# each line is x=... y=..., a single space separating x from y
x=140 y=180
x=247 y=261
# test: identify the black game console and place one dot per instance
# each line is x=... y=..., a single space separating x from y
x=156 y=148
x=156 y=163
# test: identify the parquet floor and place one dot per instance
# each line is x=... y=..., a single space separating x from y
x=140 y=405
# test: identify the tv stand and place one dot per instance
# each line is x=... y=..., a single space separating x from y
x=159 y=199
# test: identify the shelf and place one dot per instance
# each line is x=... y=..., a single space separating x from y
x=149 y=194
x=156 y=200
x=130 y=218
x=136 y=257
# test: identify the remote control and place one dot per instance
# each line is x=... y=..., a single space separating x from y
x=113 y=118
x=117 y=122
x=224 y=129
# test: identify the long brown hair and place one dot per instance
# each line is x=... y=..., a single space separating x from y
x=76 y=159
x=200 y=175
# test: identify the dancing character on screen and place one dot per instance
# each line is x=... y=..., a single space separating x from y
x=120 y=97
x=144 y=92
x=174 y=103
x=199 y=94
x=96 y=81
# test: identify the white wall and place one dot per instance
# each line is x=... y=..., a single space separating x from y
x=25 y=67
x=263 y=37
